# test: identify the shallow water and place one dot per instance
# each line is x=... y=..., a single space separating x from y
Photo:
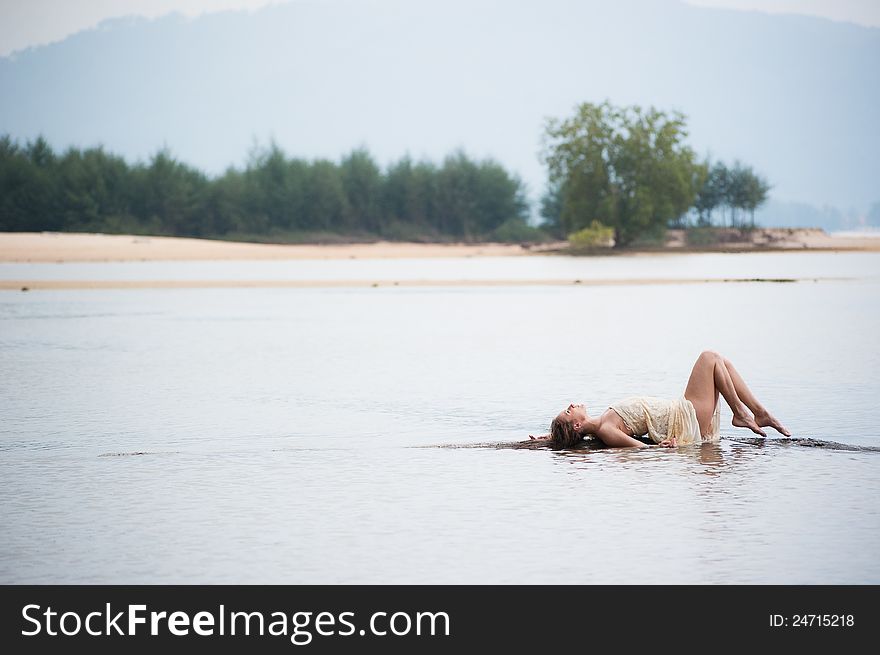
x=663 y=266
x=295 y=435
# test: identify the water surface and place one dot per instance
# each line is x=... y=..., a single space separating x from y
x=299 y=435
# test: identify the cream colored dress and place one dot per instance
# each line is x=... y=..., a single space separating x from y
x=661 y=418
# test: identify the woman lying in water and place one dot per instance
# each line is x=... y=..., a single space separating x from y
x=693 y=418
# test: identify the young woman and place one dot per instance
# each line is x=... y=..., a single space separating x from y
x=693 y=418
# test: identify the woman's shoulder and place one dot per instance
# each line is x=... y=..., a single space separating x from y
x=615 y=416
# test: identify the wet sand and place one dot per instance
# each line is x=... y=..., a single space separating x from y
x=74 y=247
x=64 y=248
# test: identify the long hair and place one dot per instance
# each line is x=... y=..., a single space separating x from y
x=562 y=434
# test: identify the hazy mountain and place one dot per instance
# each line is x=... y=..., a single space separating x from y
x=794 y=97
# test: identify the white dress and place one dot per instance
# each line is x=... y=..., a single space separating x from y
x=661 y=418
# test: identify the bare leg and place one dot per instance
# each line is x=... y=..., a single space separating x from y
x=763 y=418
x=710 y=377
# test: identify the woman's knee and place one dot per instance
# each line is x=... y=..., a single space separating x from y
x=710 y=356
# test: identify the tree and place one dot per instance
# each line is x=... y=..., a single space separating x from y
x=275 y=190
x=475 y=198
x=94 y=190
x=362 y=181
x=38 y=197
x=16 y=178
x=326 y=204
x=226 y=204
x=626 y=167
x=737 y=190
x=748 y=190
x=171 y=196
x=713 y=193
x=409 y=195
x=551 y=209
x=500 y=198
x=457 y=196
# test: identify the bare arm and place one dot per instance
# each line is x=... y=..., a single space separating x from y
x=614 y=437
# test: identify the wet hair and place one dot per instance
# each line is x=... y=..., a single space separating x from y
x=562 y=434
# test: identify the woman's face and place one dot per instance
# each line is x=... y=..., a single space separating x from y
x=574 y=414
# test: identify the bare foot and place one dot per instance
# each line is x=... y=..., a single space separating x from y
x=766 y=420
x=746 y=421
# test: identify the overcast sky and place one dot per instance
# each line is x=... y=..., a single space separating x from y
x=25 y=23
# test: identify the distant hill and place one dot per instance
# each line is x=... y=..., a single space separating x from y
x=794 y=97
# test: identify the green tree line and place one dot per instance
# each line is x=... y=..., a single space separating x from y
x=624 y=169
x=736 y=191
x=273 y=196
x=630 y=170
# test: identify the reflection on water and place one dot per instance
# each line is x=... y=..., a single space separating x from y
x=591 y=444
x=289 y=435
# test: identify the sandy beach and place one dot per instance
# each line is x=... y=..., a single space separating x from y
x=87 y=249
x=75 y=247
